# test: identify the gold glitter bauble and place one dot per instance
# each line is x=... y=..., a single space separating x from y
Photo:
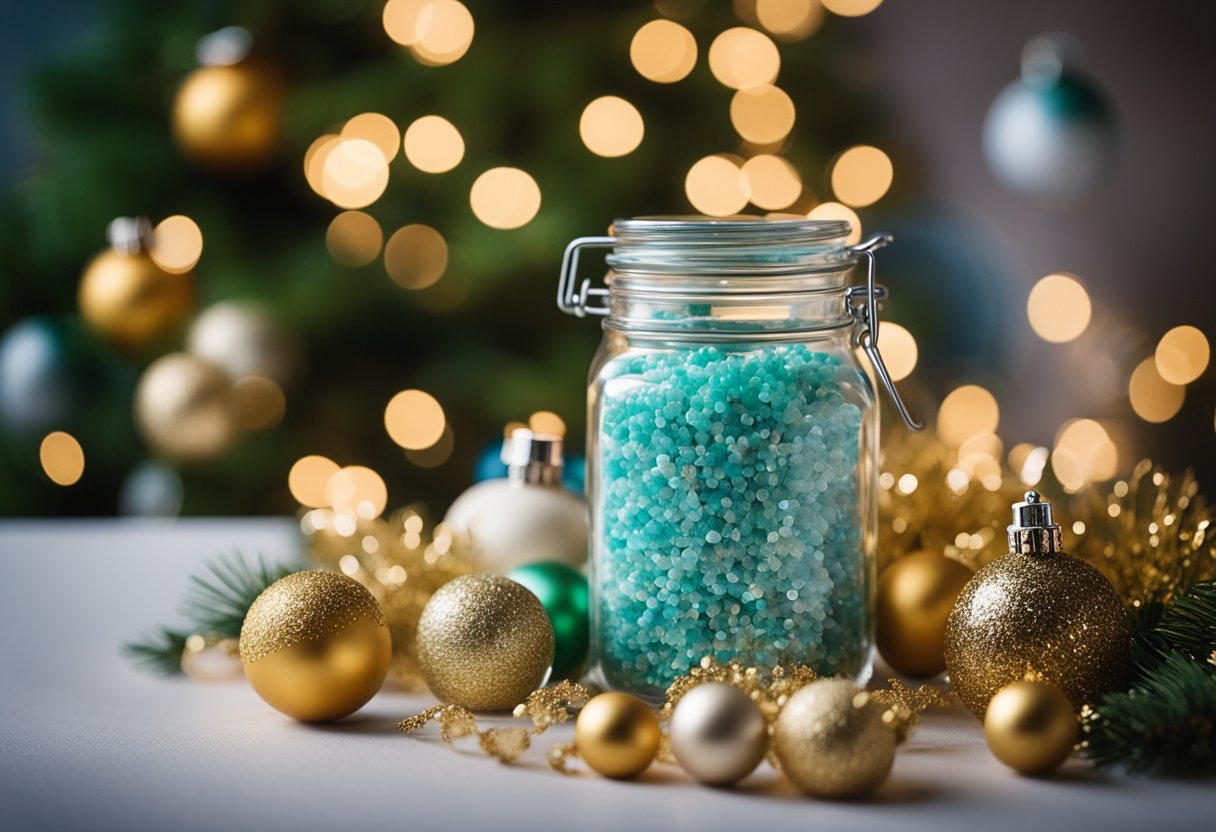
x=315 y=646
x=831 y=740
x=132 y=301
x=1031 y=727
x=183 y=408
x=914 y=599
x=227 y=117
x=617 y=735
x=484 y=642
x=1051 y=616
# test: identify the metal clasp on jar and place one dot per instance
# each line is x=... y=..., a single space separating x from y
x=572 y=297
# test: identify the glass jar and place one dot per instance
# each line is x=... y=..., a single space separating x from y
x=732 y=447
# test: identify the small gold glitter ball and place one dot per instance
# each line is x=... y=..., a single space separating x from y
x=227 y=118
x=1031 y=727
x=617 y=735
x=315 y=646
x=131 y=300
x=484 y=642
x=1049 y=615
x=832 y=742
x=914 y=599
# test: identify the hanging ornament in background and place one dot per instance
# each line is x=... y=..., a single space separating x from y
x=484 y=642
x=574 y=474
x=562 y=591
x=184 y=409
x=126 y=295
x=1030 y=727
x=227 y=112
x=1037 y=611
x=151 y=489
x=244 y=340
x=914 y=599
x=832 y=741
x=1051 y=134
x=211 y=658
x=50 y=375
x=617 y=735
x=718 y=734
x=526 y=517
x=315 y=646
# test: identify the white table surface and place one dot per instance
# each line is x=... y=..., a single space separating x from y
x=88 y=742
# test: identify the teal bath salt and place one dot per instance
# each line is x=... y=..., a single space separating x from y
x=728 y=521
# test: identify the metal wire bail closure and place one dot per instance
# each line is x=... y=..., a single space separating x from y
x=572 y=297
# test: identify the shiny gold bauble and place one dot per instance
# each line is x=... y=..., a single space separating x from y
x=617 y=735
x=132 y=301
x=227 y=117
x=915 y=596
x=718 y=733
x=1051 y=616
x=831 y=740
x=315 y=646
x=183 y=407
x=1031 y=727
x=484 y=642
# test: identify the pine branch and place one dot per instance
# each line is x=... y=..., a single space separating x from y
x=1189 y=625
x=159 y=652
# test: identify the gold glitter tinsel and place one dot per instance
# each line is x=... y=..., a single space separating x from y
x=401 y=560
x=769 y=691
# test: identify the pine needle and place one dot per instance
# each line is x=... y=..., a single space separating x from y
x=159 y=652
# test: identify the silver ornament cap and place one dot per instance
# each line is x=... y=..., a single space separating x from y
x=1033 y=531
x=536 y=458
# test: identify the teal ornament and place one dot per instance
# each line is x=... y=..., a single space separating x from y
x=51 y=375
x=562 y=591
x=489 y=464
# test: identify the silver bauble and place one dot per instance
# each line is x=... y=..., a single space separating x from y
x=718 y=734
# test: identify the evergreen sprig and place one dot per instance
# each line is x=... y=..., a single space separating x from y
x=215 y=604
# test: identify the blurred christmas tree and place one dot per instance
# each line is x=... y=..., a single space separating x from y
x=468 y=313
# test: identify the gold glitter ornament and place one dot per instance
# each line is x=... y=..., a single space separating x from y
x=227 y=118
x=315 y=646
x=718 y=734
x=1036 y=611
x=1030 y=727
x=183 y=407
x=484 y=642
x=617 y=735
x=914 y=599
x=832 y=740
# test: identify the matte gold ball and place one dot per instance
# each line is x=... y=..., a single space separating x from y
x=484 y=642
x=718 y=734
x=617 y=735
x=132 y=301
x=1031 y=727
x=227 y=117
x=183 y=407
x=915 y=596
x=315 y=646
x=1050 y=615
x=831 y=740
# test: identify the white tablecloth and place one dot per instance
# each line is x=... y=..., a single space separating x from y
x=88 y=742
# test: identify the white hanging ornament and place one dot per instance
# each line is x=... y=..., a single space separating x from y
x=244 y=339
x=1051 y=134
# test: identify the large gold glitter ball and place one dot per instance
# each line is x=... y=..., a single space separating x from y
x=617 y=735
x=1030 y=727
x=184 y=410
x=227 y=117
x=315 y=646
x=832 y=742
x=914 y=599
x=484 y=642
x=1050 y=616
x=131 y=300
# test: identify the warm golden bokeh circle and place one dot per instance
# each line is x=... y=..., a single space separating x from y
x=851 y=8
x=354 y=173
x=741 y=58
x=836 y=211
x=965 y=412
x=416 y=256
x=1152 y=397
x=898 y=349
x=1058 y=308
x=611 y=126
x=357 y=490
x=763 y=114
x=376 y=128
x=62 y=458
x=433 y=144
x=713 y=186
x=770 y=182
x=414 y=420
x=308 y=479
x=663 y=51
x=354 y=238
x=177 y=244
x=1182 y=355
x=861 y=176
x=505 y=198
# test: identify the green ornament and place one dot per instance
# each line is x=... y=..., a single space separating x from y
x=562 y=591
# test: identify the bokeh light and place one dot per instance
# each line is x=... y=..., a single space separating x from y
x=435 y=455
x=378 y=129
x=416 y=256
x=663 y=51
x=1058 y=308
x=505 y=198
x=358 y=490
x=314 y=161
x=433 y=144
x=790 y=19
x=611 y=126
x=861 y=176
x=898 y=349
x=1027 y=462
x=400 y=20
x=308 y=478
x=177 y=244
x=547 y=422
x=1083 y=453
x=967 y=411
x=354 y=238
x=763 y=114
x=355 y=173
x=444 y=32
x=1182 y=355
x=62 y=458
x=851 y=8
x=836 y=211
x=714 y=186
x=258 y=403
x=741 y=58
x=770 y=182
x=1153 y=398
x=414 y=420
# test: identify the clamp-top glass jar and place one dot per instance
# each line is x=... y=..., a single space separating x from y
x=732 y=447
